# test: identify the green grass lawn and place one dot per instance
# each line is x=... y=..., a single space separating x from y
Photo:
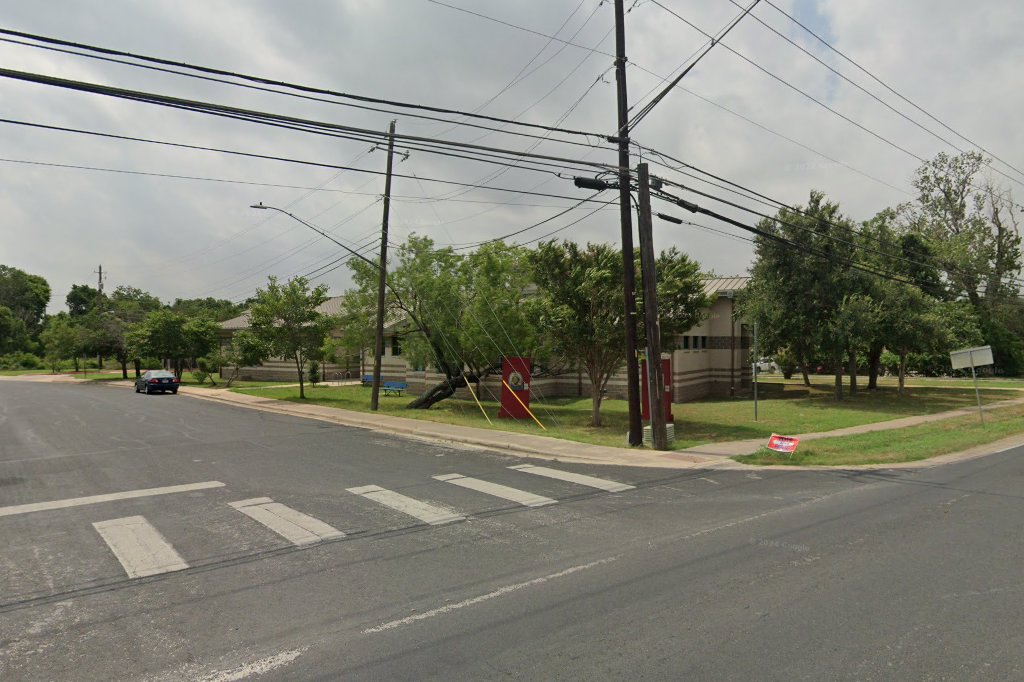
x=905 y=445
x=783 y=408
x=827 y=380
x=22 y=372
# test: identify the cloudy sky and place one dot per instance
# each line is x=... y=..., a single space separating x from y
x=194 y=235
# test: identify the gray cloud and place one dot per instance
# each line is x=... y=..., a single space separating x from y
x=183 y=238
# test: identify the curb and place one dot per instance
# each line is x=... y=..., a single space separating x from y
x=609 y=456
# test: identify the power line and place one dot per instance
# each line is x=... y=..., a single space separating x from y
x=285 y=84
x=694 y=208
x=793 y=87
x=413 y=142
x=869 y=93
x=712 y=103
x=888 y=87
x=405 y=198
x=639 y=116
x=270 y=157
x=521 y=28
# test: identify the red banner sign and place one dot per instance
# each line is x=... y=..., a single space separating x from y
x=785 y=444
x=515 y=388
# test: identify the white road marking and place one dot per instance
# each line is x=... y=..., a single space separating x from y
x=140 y=547
x=497 y=490
x=427 y=513
x=448 y=608
x=582 y=479
x=109 y=497
x=710 y=481
x=294 y=526
x=263 y=665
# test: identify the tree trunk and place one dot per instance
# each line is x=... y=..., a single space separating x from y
x=852 y=368
x=803 y=371
x=77 y=368
x=124 y=369
x=837 y=362
x=874 y=358
x=902 y=371
x=138 y=367
x=595 y=407
x=302 y=385
x=445 y=389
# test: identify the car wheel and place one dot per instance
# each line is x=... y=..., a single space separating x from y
x=148 y=392
x=136 y=388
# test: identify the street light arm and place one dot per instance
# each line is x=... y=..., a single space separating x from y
x=315 y=229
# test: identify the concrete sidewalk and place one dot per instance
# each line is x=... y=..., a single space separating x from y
x=707 y=456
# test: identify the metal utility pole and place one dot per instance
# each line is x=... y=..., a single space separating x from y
x=100 y=280
x=626 y=217
x=383 y=274
x=655 y=379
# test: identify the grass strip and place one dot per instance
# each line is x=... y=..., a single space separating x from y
x=787 y=410
x=909 y=444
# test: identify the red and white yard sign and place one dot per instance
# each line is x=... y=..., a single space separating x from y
x=785 y=444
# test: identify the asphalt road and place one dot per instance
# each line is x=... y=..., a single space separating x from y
x=727 y=575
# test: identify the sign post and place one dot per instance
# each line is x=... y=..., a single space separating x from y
x=973 y=357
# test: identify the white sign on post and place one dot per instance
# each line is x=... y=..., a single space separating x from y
x=971 y=357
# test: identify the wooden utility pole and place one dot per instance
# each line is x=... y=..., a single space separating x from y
x=626 y=218
x=383 y=274
x=655 y=379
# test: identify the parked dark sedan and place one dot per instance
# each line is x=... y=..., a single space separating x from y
x=156 y=380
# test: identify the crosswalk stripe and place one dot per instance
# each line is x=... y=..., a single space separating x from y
x=497 y=490
x=140 y=547
x=108 y=497
x=427 y=513
x=294 y=526
x=582 y=479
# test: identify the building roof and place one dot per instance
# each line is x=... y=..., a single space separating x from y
x=331 y=306
x=724 y=286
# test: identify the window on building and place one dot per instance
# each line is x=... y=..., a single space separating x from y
x=703 y=343
x=396 y=346
x=686 y=343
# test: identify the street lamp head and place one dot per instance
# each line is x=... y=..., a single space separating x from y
x=259 y=205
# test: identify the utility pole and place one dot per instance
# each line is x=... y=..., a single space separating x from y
x=100 y=279
x=99 y=302
x=383 y=274
x=626 y=218
x=655 y=379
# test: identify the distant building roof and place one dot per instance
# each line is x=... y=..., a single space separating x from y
x=331 y=306
x=723 y=286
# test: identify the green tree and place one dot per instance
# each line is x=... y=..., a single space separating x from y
x=285 y=317
x=578 y=307
x=82 y=299
x=13 y=335
x=26 y=297
x=800 y=279
x=165 y=334
x=245 y=350
x=460 y=314
x=216 y=309
x=132 y=304
x=60 y=340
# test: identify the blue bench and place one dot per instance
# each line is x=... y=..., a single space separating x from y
x=367 y=380
x=394 y=387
